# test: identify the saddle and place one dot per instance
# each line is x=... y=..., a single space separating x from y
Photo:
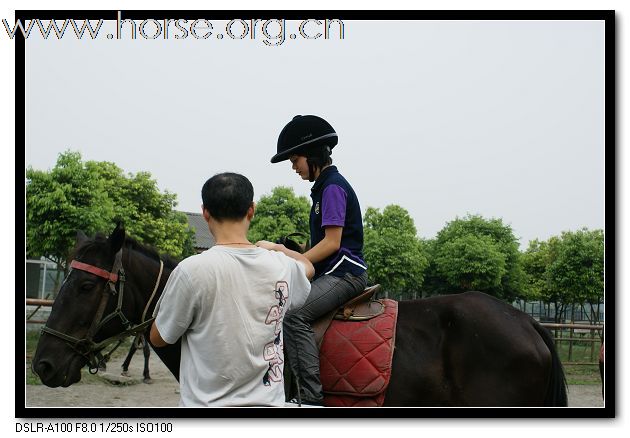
x=356 y=344
x=360 y=308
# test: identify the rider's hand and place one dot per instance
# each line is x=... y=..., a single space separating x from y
x=267 y=245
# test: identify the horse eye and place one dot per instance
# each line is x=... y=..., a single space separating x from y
x=87 y=286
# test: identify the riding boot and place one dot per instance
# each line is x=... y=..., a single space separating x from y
x=304 y=359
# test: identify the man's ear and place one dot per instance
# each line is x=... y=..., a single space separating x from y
x=205 y=213
x=251 y=211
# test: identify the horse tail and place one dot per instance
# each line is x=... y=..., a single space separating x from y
x=557 y=387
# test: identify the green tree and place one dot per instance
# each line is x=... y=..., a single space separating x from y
x=579 y=265
x=434 y=283
x=89 y=196
x=395 y=255
x=477 y=253
x=280 y=214
x=60 y=202
x=567 y=270
x=538 y=283
x=577 y=271
x=535 y=261
x=147 y=213
x=471 y=262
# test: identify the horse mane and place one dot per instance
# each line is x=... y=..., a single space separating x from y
x=150 y=251
x=133 y=244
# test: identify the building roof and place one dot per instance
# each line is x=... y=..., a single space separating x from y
x=203 y=238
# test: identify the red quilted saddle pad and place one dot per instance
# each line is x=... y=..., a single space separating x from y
x=356 y=359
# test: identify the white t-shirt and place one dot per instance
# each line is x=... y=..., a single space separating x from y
x=227 y=305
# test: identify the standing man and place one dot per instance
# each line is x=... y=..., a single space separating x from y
x=228 y=304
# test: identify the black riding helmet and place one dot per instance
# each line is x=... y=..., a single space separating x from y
x=305 y=134
x=310 y=136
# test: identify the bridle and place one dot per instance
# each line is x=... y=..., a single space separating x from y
x=86 y=347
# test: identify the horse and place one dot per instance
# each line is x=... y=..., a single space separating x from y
x=460 y=350
x=96 y=308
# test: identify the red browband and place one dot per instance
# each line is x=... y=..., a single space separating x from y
x=113 y=277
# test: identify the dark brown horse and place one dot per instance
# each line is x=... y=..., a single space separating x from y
x=91 y=313
x=458 y=350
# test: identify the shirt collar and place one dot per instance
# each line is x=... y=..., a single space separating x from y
x=323 y=176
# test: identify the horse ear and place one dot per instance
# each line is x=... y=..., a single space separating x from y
x=117 y=238
x=81 y=238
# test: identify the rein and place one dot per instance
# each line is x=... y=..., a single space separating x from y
x=86 y=347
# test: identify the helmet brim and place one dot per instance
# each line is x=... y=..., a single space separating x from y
x=284 y=155
x=328 y=139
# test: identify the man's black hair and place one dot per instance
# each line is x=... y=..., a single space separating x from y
x=227 y=196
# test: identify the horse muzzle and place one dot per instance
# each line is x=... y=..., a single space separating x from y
x=58 y=368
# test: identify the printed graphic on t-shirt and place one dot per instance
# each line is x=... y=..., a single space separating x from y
x=272 y=352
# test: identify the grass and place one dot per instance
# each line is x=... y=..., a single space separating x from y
x=32 y=337
x=579 y=374
x=582 y=374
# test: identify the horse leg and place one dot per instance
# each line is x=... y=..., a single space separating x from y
x=147 y=354
x=125 y=365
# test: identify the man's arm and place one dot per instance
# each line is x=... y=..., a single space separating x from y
x=174 y=310
x=156 y=338
x=308 y=266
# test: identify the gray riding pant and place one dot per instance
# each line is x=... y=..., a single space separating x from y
x=327 y=293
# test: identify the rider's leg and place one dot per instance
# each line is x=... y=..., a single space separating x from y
x=327 y=293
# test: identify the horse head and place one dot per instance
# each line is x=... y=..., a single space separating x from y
x=96 y=302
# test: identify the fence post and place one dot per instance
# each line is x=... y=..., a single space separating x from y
x=571 y=333
x=41 y=292
x=592 y=344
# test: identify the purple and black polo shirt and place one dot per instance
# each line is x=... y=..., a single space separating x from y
x=336 y=204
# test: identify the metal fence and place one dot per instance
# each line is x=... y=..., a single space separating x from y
x=546 y=312
x=42 y=279
x=37 y=310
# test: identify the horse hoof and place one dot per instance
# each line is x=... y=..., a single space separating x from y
x=125 y=374
x=148 y=380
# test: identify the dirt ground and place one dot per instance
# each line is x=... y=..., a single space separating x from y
x=110 y=389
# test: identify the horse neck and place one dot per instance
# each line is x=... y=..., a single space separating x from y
x=142 y=274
